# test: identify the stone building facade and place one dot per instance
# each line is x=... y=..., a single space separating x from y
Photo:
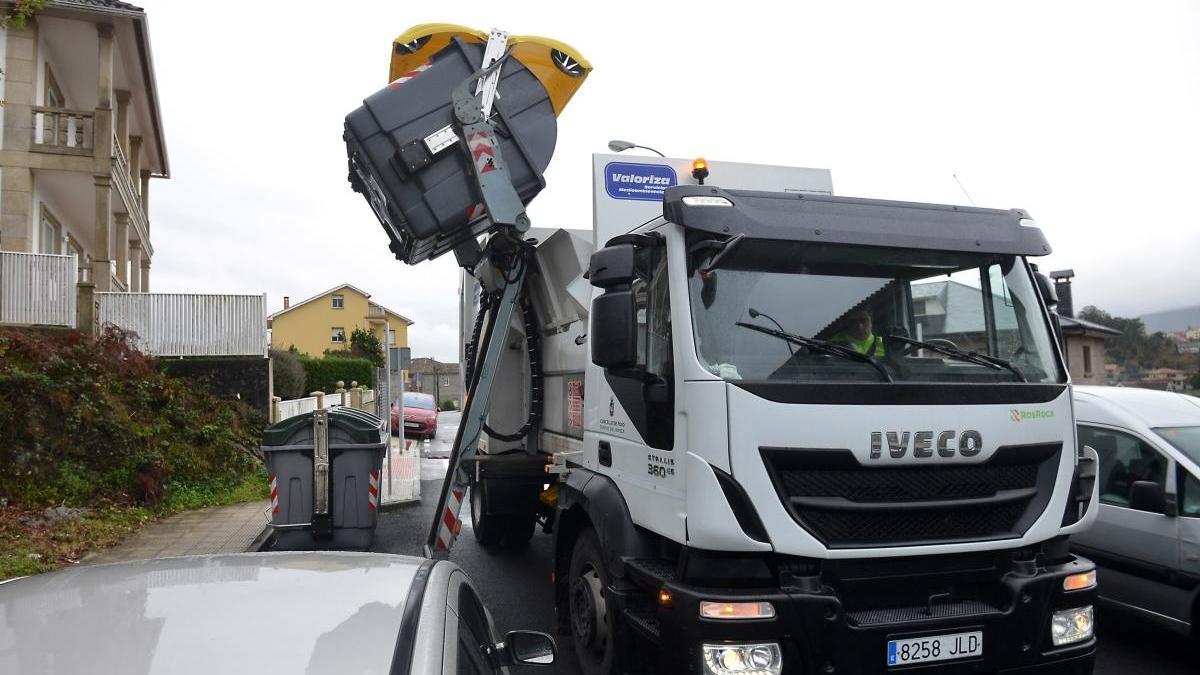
x=82 y=137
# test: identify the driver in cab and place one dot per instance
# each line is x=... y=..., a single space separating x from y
x=854 y=330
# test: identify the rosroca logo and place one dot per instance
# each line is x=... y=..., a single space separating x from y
x=1022 y=415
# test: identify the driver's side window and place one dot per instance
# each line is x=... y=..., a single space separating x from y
x=1124 y=460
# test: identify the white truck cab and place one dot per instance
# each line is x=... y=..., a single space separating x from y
x=847 y=417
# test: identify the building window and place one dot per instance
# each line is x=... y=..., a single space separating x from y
x=1087 y=360
x=50 y=233
x=339 y=335
x=339 y=302
x=53 y=95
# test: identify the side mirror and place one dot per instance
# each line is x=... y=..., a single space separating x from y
x=529 y=648
x=612 y=266
x=613 y=331
x=1046 y=288
x=1146 y=495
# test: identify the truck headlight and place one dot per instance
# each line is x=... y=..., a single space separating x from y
x=1071 y=625
x=743 y=659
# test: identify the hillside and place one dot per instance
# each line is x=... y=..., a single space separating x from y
x=1172 y=319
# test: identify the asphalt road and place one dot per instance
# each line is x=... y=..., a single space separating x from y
x=515 y=585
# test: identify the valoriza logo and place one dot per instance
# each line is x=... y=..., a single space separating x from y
x=1025 y=415
x=639 y=182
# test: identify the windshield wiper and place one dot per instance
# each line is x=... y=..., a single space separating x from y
x=723 y=248
x=823 y=346
x=971 y=357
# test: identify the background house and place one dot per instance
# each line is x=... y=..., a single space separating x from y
x=1083 y=341
x=82 y=137
x=442 y=380
x=326 y=320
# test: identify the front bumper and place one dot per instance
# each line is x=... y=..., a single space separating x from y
x=826 y=630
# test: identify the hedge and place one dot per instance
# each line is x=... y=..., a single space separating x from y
x=289 y=375
x=323 y=374
x=95 y=420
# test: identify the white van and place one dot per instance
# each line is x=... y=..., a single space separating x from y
x=1146 y=542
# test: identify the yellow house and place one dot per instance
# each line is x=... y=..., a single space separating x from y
x=325 y=321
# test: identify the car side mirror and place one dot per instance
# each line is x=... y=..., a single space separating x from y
x=529 y=648
x=1146 y=495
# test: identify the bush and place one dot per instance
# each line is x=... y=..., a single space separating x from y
x=94 y=419
x=449 y=404
x=288 y=375
x=323 y=374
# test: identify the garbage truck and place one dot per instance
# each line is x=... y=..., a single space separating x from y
x=770 y=429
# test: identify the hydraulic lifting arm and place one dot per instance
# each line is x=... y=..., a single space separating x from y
x=477 y=137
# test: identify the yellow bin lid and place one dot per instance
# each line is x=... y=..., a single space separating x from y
x=557 y=65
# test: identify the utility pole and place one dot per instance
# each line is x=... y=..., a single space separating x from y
x=437 y=384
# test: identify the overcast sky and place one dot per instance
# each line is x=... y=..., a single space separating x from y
x=1086 y=114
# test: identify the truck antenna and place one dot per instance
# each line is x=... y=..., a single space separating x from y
x=963 y=188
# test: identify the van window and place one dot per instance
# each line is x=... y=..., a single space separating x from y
x=1190 y=504
x=1124 y=459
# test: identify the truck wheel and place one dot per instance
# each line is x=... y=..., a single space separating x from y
x=486 y=528
x=591 y=625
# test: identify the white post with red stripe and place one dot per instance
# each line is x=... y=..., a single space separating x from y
x=373 y=491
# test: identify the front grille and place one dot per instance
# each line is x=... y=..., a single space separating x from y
x=847 y=505
x=931 y=611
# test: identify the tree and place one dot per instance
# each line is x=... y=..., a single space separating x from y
x=1133 y=346
x=365 y=344
x=17 y=16
x=20 y=13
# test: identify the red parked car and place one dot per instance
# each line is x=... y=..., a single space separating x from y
x=420 y=416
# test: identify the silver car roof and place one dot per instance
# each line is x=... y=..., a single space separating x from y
x=1133 y=407
x=254 y=612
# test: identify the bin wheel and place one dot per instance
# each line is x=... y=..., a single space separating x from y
x=591 y=622
x=487 y=529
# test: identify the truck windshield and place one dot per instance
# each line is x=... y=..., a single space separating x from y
x=772 y=309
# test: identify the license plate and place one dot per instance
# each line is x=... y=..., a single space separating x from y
x=934 y=648
x=411 y=425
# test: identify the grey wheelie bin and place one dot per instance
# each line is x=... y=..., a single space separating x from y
x=325 y=471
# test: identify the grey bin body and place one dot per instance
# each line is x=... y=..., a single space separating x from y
x=288 y=447
x=423 y=200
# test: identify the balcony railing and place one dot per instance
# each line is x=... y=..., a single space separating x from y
x=376 y=312
x=63 y=131
x=130 y=191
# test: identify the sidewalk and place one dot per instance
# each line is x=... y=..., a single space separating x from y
x=220 y=529
x=401 y=473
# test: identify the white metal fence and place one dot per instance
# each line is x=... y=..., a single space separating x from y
x=37 y=289
x=299 y=406
x=188 y=324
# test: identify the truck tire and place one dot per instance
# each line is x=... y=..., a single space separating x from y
x=591 y=623
x=487 y=529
